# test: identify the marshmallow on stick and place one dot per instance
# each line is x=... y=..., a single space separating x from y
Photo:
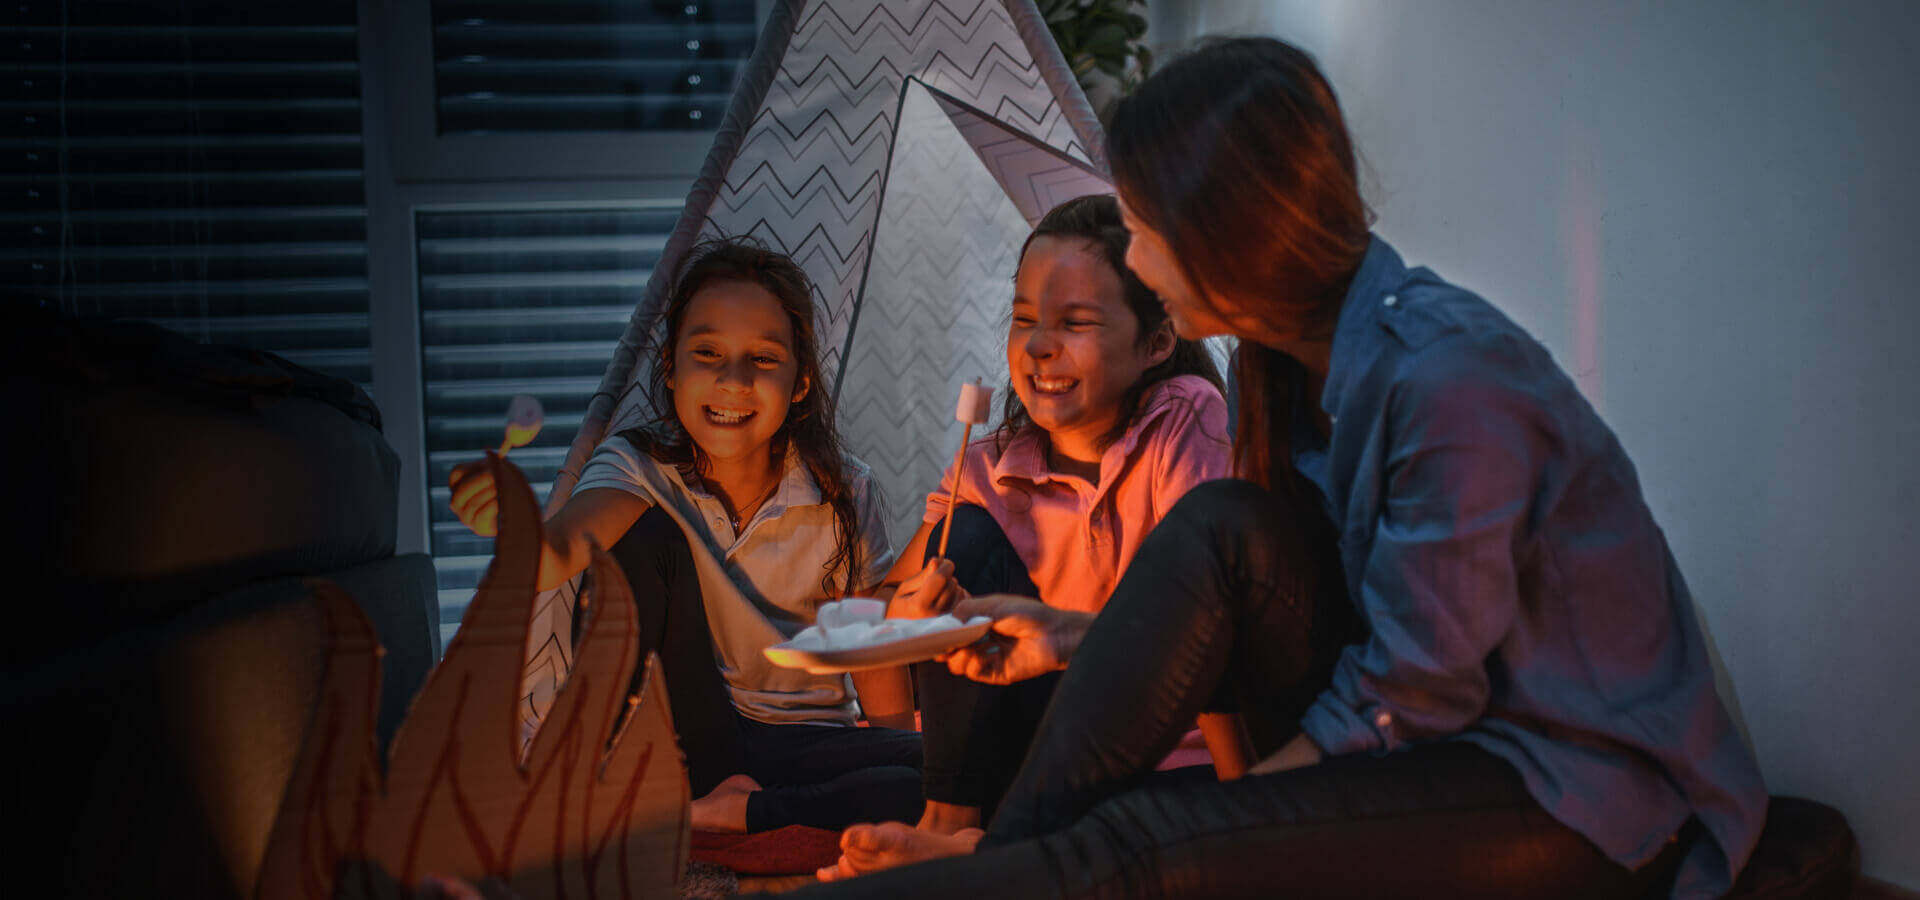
x=974 y=408
x=524 y=417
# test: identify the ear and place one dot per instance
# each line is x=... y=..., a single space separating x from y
x=800 y=390
x=1160 y=343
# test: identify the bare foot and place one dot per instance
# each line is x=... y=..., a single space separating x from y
x=948 y=818
x=871 y=848
x=723 y=809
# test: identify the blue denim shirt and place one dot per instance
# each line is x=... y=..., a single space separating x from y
x=1518 y=592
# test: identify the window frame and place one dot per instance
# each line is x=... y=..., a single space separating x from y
x=421 y=154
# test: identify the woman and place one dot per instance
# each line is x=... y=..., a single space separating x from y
x=1531 y=711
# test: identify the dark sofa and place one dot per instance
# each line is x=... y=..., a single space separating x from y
x=166 y=652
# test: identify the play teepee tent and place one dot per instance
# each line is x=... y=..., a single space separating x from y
x=899 y=151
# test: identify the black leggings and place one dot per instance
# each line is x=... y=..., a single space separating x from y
x=1225 y=598
x=977 y=734
x=827 y=776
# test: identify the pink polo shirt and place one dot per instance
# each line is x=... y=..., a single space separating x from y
x=1076 y=538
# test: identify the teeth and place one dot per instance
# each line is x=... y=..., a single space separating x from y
x=1054 y=385
x=728 y=416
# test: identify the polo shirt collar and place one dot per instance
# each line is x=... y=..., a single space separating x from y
x=797 y=487
x=1025 y=457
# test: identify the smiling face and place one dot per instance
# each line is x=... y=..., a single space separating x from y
x=1153 y=261
x=1073 y=346
x=734 y=370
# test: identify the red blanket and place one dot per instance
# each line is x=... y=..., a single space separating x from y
x=793 y=850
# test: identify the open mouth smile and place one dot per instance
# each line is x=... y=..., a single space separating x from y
x=1052 y=385
x=721 y=415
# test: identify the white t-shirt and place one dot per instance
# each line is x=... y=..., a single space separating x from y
x=763 y=585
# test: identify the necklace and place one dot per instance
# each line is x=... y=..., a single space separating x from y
x=747 y=511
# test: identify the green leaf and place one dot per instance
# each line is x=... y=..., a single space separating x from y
x=1109 y=37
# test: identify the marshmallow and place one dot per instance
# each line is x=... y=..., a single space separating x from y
x=976 y=404
x=524 y=417
x=842 y=628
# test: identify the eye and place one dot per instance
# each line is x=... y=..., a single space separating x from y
x=766 y=360
x=1083 y=323
x=1020 y=321
x=704 y=353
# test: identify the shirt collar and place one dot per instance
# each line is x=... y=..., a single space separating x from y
x=1381 y=271
x=1026 y=455
x=797 y=487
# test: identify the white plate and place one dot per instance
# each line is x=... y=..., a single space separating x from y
x=876 y=656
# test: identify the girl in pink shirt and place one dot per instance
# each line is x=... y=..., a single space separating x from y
x=1112 y=418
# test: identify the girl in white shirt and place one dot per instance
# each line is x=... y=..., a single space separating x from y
x=735 y=514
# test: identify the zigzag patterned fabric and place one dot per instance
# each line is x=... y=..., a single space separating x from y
x=898 y=151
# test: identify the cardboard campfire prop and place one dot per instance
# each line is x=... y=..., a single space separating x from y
x=589 y=812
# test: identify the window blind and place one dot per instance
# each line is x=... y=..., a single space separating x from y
x=519 y=301
x=587 y=65
x=197 y=165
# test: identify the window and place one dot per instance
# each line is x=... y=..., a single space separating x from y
x=446 y=202
x=482 y=86
x=195 y=165
x=519 y=301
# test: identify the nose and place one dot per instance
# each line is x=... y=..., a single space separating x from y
x=737 y=374
x=1041 y=343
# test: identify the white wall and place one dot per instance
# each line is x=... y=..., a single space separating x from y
x=1708 y=211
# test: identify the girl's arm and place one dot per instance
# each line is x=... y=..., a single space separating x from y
x=886 y=695
x=598 y=515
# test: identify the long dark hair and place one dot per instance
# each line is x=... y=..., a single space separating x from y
x=1095 y=219
x=808 y=430
x=1238 y=154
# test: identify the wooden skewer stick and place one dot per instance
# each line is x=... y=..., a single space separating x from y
x=975 y=405
x=959 y=465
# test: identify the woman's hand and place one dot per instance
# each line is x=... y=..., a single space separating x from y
x=927 y=593
x=474 y=498
x=1028 y=639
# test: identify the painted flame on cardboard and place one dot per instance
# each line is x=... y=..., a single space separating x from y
x=589 y=813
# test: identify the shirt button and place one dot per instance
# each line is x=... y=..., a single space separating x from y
x=1390 y=301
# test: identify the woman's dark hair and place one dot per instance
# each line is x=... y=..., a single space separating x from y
x=1238 y=155
x=809 y=428
x=1096 y=219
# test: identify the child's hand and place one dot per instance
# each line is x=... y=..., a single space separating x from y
x=927 y=593
x=474 y=500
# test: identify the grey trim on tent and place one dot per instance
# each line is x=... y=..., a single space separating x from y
x=1059 y=75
